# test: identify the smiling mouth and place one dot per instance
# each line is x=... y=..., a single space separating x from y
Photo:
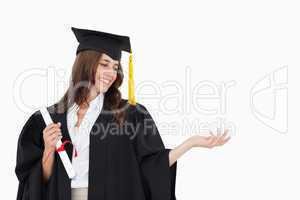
x=103 y=82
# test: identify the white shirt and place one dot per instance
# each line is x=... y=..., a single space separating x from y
x=80 y=137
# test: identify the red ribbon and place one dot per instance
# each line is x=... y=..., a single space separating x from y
x=62 y=147
x=76 y=154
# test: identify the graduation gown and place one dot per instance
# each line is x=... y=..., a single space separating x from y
x=128 y=162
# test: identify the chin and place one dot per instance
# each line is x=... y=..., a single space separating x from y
x=102 y=89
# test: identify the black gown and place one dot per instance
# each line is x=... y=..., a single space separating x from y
x=123 y=165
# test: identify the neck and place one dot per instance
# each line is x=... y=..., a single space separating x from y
x=91 y=96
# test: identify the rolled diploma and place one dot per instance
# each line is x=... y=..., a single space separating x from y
x=62 y=154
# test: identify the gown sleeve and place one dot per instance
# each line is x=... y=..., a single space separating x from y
x=29 y=161
x=157 y=176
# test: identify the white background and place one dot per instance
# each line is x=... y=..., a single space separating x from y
x=183 y=42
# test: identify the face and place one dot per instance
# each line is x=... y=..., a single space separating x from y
x=106 y=73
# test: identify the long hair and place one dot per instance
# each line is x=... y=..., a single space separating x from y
x=83 y=76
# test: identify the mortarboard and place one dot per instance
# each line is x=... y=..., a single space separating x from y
x=112 y=45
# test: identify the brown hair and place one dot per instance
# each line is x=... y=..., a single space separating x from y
x=83 y=74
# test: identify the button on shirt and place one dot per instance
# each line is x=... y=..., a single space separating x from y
x=80 y=137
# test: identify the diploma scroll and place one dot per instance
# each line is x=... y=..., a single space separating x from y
x=62 y=153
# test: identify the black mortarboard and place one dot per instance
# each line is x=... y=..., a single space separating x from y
x=100 y=41
x=108 y=43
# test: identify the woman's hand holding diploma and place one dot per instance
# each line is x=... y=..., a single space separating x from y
x=51 y=135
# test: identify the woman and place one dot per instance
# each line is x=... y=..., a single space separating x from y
x=116 y=150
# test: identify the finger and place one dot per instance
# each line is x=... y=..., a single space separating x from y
x=218 y=138
x=224 y=134
x=222 y=137
x=49 y=126
x=56 y=125
x=57 y=139
x=54 y=142
x=53 y=131
x=225 y=141
x=208 y=140
x=216 y=141
x=212 y=140
x=55 y=135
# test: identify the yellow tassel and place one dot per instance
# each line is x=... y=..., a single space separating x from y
x=131 y=97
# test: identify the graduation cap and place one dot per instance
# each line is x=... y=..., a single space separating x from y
x=112 y=45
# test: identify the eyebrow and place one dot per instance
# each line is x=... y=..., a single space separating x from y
x=110 y=62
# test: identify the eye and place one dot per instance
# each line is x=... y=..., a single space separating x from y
x=103 y=64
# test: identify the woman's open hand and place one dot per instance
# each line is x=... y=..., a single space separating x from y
x=209 y=141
